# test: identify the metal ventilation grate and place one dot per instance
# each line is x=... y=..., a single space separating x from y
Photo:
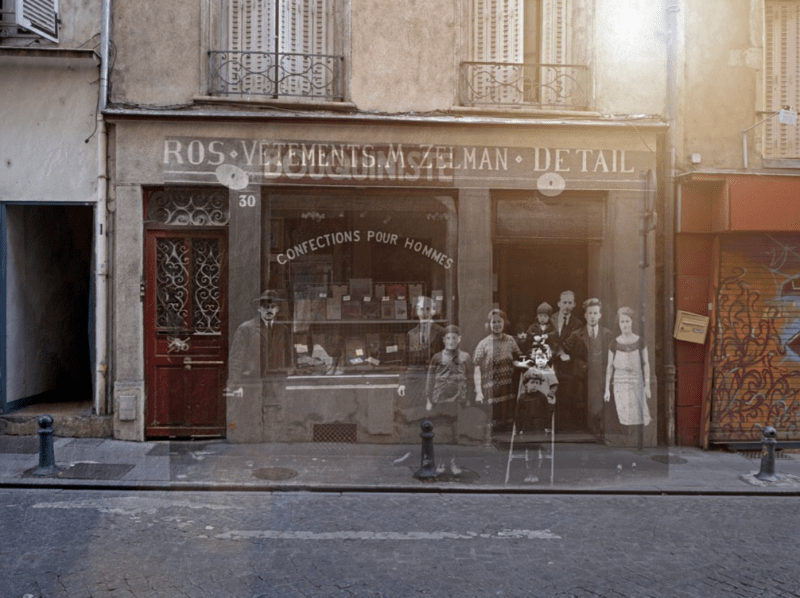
x=337 y=433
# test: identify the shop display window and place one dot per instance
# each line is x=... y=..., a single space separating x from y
x=349 y=270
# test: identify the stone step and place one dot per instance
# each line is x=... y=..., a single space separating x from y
x=74 y=420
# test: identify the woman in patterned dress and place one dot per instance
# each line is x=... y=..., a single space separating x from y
x=629 y=369
x=494 y=369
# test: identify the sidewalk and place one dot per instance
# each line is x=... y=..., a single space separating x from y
x=218 y=465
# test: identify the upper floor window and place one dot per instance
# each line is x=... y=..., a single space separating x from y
x=521 y=53
x=279 y=49
x=781 y=76
x=29 y=18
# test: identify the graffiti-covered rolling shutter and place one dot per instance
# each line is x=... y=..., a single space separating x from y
x=757 y=342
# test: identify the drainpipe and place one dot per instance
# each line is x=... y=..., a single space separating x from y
x=672 y=9
x=101 y=225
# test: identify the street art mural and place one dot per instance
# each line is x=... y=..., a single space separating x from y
x=757 y=346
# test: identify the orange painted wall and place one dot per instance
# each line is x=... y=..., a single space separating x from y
x=764 y=203
x=693 y=261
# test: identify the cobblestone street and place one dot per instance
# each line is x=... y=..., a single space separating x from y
x=92 y=544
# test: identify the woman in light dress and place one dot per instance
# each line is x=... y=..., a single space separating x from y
x=629 y=369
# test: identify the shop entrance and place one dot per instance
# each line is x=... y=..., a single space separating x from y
x=186 y=340
x=530 y=273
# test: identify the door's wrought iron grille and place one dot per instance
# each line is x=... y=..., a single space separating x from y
x=172 y=281
x=537 y=85
x=188 y=286
x=275 y=75
x=206 y=304
x=189 y=207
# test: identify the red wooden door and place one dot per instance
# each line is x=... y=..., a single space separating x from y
x=186 y=332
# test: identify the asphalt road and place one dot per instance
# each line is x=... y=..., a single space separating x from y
x=93 y=544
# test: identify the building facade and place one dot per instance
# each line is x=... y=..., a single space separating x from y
x=53 y=156
x=737 y=235
x=305 y=197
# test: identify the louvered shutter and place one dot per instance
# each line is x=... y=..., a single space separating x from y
x=251 y=35
x=497 y=31
x=306 y=33
x=38 y=16
x=289 y=34
x=782 y=76
x=497 y=36
x=556 y=50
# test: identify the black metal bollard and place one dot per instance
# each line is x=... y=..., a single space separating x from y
x=47 y=456
x=768 y=444
x=427 y=470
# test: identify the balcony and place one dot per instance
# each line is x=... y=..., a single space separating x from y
x=553 y=86
x=271 y=75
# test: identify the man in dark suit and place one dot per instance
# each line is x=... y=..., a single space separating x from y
x=588 y=351
x=262 y=344
x=427 y=338
x=568 y=401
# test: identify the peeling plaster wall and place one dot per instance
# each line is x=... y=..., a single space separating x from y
x=630 y=57
x=723 y=71
x=157 y=61
x=47 y=108
x=399 y=56
x=403 y=55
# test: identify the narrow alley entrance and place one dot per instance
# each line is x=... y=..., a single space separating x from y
x=47 y=305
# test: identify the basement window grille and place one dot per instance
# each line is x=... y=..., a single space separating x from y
x=335 y=433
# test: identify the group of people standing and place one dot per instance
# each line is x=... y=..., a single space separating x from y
x=599 y=381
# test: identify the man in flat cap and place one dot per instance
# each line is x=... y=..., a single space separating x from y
x=261 y=344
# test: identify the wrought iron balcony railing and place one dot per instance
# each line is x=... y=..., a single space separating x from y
x=276 y=75
x=559 y=86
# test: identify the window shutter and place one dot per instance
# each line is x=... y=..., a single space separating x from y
x=782 y=77
x=38 y=16
x=555 y=22
x=306 y=28
x=251 y=27
x=497 y=34
x=556 y=50
x=286 y=31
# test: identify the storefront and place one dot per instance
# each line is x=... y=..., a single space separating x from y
x=293 y=282
x=737 y=262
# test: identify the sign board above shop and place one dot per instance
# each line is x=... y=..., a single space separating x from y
x=237 y=163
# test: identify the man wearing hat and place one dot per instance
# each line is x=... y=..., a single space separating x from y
x=262 y=343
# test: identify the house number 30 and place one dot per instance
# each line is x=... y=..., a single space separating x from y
x=247 y=201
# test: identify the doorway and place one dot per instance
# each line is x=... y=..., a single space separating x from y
x=530 y=273
x=186 y=340
x=47 y=316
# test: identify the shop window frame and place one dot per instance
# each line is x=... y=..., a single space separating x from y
x=339 y=198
